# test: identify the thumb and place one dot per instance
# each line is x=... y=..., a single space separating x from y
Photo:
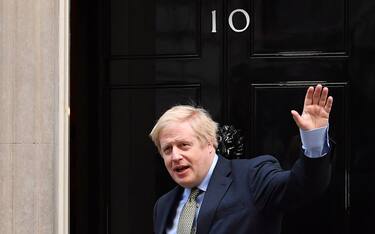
x=297 y=118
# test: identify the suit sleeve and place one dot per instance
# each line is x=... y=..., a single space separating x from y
x=273 y=187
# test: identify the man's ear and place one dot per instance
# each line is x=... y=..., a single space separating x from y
x=211 y=146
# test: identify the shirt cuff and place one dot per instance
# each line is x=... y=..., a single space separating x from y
x=315 y=143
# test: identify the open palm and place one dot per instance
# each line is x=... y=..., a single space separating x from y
x=316 y=109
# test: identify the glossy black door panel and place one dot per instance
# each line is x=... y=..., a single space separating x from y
x=287 y=28
x=152 y=28
x=243 y=70
x=149 y=71
x=272 y=126
x=273 y=131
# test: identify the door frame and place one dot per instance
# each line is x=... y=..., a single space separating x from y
x=63 y=112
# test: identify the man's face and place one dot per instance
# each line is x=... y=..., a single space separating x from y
x=185 y=157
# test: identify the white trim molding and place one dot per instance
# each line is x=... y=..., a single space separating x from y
x=62 y=193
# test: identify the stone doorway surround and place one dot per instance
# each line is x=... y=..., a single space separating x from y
x=34 y=116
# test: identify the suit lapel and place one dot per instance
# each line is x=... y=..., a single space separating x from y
x=218 y=185
x=168 y=207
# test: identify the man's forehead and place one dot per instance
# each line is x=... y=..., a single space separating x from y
x=175 y=138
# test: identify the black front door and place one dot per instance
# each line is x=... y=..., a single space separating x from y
x=248 y=63
x=160 y=53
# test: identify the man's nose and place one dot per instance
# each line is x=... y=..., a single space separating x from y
x=176 y=154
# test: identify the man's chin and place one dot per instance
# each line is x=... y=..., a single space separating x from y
x=186 y=184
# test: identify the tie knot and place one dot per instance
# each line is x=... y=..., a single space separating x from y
x=194 y=194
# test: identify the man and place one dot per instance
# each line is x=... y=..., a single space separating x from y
x=216 y=195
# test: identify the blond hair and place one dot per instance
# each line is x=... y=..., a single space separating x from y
x=198 y=118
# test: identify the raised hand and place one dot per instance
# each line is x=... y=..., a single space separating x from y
x=316 y=109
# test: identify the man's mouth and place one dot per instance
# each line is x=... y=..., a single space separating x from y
x=180 y=169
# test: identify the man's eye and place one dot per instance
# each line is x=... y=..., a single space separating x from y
x=185 y=145
x=167 y=150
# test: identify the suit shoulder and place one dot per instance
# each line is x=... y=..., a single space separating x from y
x=167 y=196
x=259 y=161
x=264 y=159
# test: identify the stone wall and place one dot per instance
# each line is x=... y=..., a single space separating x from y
x=29 y=75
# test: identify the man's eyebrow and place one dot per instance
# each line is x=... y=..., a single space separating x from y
x=164 y=145
x=183 y=140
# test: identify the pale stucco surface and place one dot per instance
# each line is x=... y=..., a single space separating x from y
x=28 y=119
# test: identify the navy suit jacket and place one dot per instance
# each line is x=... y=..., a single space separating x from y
x=249 y=195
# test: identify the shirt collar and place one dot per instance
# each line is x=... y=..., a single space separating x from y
x=203 y=185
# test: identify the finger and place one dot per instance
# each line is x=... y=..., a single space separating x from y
x=323 y=97
x=329 y=104
x=309 y=96
x=317 y=92
x=297 y=118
